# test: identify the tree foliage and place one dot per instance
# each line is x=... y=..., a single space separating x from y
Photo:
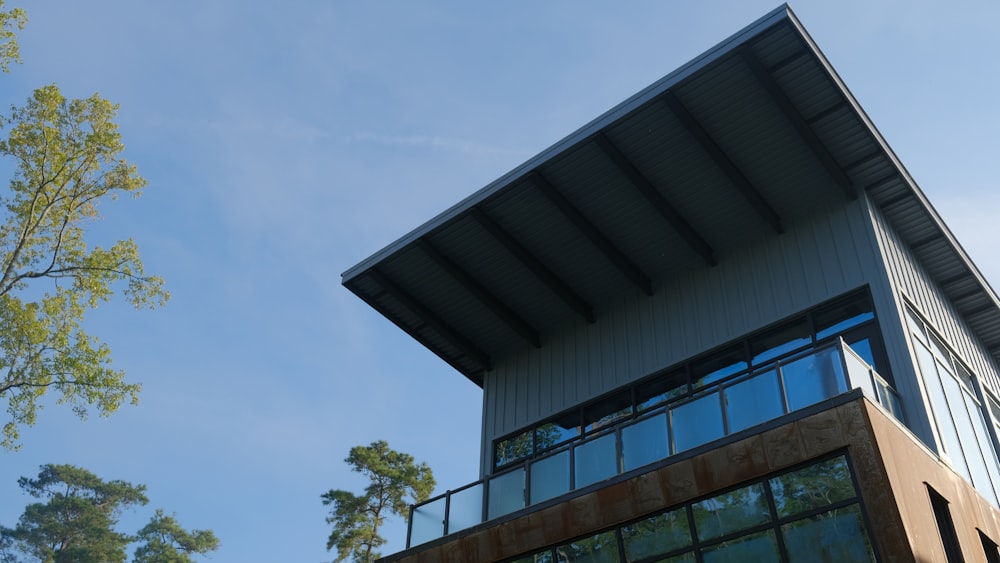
x=10 y=21
x=165 y=541
x=76 y=521
x=66 y=156
x=356 y=519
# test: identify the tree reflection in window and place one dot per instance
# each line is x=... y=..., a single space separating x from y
x=812 y=487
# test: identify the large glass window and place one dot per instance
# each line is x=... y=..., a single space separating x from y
x=809 y=514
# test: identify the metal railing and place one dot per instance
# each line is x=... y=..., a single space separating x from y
x=732 y=406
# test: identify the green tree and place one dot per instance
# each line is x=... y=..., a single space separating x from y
x=356 y=518
x=76 y=522
x=66 y=157
x=165 y=541
x=10 y=20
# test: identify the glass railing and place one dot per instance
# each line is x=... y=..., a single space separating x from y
x=788 y=385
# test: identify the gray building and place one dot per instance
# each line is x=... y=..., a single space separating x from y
x=720 y=322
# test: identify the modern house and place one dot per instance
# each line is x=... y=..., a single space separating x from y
x=720 y=322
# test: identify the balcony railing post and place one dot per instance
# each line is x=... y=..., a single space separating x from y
x=447 y=510
x=486 y=499
x=409 y=526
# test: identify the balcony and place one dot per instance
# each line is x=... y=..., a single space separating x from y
x=733 y=406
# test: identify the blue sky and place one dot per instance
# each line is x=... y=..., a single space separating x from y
x=284 y=143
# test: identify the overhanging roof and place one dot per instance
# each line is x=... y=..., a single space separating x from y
x=676 y=177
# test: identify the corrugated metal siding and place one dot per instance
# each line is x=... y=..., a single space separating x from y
x=912 y=281
x=769 y=279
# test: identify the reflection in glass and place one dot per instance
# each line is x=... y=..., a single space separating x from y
x=986 y=447
x=842 y=315
x=696 y=422
x=753 y=401
x=550 y=477
x=779 y=341
x=863 y=348
x=595 y=460
x=555 y=433
x=837 y=535
x=542 y=557
x=427 y=522
x=730 y=512
x=656 y=535
x=661 y=389
x=718 y=366
x=513 y=449
x=466 y=508
x=606 y=412
x=602 y=548
x=812 y=487
x=951 y=446
x=644 y=442
x=506 y=493
x=761 y=547
x=810 y=379
x=966 y=433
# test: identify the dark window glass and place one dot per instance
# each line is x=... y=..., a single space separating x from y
x=781 y=340
x=836 y=535
x=657 y=535
x=761 y=547
x=812 y=487
x=718 y=366
x=989 y=548
x=842 y=315
x=753 y=401
x=661 y=389
x=602 y=548
x=946 y=527
x=730 y=512
x=607 y=411
x=513 y=449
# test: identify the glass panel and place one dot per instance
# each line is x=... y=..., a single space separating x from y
x=542 y=557
x=956 y=395
x=513 y=449
x=558 y=432
x=986 y=448
x=950 y=444
x=761 y=547
x=731 y=512
x=550 y=477
x=842 y=315
x=964 y=376
x=682 y=558
x=595 y=461
x=812 y=487
x=837 y=535
x=813 y=378
x=656 y=535
x=660 y=390
x=427 y=522
x=696 y=422
x=857 y=372
x=780 y=340
x=753 y=401
x=466 y=508
x=506 y=493
x=916 y=325
x=604 y=413
x=645 y=442
x=863 y=348
x=602 y=548
x=718 y=366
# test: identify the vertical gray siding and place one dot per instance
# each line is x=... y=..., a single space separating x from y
x=771 y=278
x=910 y=280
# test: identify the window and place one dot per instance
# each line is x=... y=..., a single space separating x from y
x=946 y=528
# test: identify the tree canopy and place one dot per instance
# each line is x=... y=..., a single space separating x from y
x=76 y=521
x=356 y=519
x=67 y=160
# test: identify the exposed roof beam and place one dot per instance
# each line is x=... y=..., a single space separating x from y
x=963 y=275
x=656 y=199
x=884 y=180
x=828 y=112
x=915 y=245
x=541 y=271
x=722 y=160
x=895 y=200
x=798 y=122
x=974 y=292
x=979 y=310
x=788 y=60
x=485 y=296
x=865 y=159
x=430 y=319
x=608 y=248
